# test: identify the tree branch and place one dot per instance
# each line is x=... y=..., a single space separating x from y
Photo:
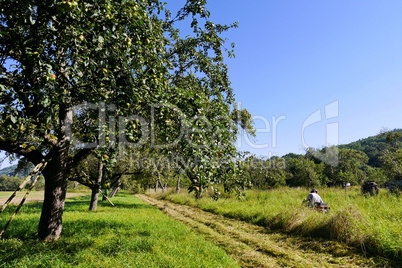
x=31 y=153
x=78 y=157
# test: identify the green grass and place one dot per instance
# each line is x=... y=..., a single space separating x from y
x=371 y=224
x=130 y=235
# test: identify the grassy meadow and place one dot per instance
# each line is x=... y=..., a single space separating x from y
x=371 y=224
x=131 y=234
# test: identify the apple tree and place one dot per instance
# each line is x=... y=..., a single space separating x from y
x=78 y=76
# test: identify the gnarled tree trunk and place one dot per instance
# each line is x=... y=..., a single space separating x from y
x=93 y=205
x=56 y=177
x=115 y=190
x=50 y=224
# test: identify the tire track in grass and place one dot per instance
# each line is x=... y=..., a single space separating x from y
x=253 y=246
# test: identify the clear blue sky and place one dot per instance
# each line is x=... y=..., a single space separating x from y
x=294 y=58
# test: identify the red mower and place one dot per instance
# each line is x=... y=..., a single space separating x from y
x=322 y=207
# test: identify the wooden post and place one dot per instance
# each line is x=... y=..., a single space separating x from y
x=107 y=198
x=19 y=206
x=39 y=167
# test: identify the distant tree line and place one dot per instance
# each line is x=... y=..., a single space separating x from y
x=377 y=158
x=11 y=183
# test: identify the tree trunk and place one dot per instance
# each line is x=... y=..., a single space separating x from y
x=50 y=223
x=162 y=186
x=56 y=175
x=93 y=205
x=178 y=185
x=115 y=190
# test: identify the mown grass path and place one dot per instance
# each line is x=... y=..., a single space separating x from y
x=254 y=246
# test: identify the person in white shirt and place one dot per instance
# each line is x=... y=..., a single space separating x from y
x=313 y=198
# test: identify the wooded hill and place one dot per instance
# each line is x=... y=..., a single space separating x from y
x=374 y=146
x=11 y=171
x=377 y=158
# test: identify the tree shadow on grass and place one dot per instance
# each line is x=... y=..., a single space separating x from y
x=108 y=237
x=22 y=229
x=80 y=203
x=24 y=226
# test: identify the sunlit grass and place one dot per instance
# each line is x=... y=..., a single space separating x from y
x=371 y=224
x=7 y=194
x=130 y=235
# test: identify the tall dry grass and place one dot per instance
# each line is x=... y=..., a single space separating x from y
x=371 y=224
